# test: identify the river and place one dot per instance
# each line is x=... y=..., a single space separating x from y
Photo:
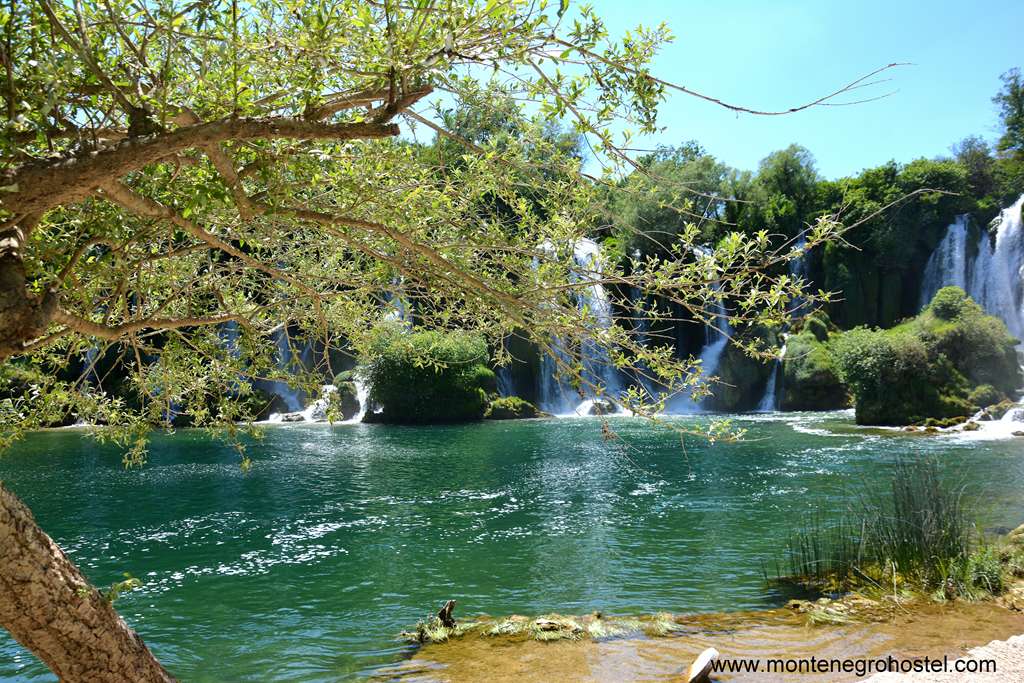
x=306 y=567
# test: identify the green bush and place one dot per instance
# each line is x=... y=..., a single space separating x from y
x=893 y=379
x=984 y=396
x=430 y=376
x=938 y=365
x=948 y=303
x=818 y=324
x=810 y=379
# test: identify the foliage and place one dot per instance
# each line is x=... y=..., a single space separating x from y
x=1010 y=100
x=184 y=183
x=985 y=395
x=927 y=366
x=810 y=379
x=430 y=376
x=128 y=584
x=949 y=303
x=918 y=536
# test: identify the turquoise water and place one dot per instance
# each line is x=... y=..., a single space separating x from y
x=306 y=567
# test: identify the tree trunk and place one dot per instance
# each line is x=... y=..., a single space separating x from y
x=50 y=608
x=22 y=315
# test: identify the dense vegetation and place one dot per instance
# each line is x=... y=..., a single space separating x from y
x=430 y=376
x=930 y=366
x=876 y=270
x=918 y=536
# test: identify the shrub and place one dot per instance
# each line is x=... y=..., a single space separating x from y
x=810 y=379
x=984 y=396
x=919 y=534
x=893 y=379
x=430 y=376
x=948 y=303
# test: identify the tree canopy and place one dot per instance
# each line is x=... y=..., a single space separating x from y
x=177 y=173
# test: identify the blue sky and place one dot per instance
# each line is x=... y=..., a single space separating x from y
x=772 y=54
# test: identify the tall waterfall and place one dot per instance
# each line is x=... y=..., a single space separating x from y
x=799 y=268
x=294 y=399
x=992 y=274
x=716 y=339
x=770 y=400
x=554 y=395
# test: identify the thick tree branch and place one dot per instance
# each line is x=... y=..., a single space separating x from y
x=118 y=332
x=138 y=204
x=38 y=187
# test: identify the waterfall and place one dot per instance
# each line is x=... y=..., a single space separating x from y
x=716 y=339
x=506 y=383
x=770 y=400
x=554 y=395
x=363 y=394
x=993 y=275
x=948 y=263
x=798 y=268
x=293 y=399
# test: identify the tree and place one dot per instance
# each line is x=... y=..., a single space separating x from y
x=786 y=181
x=1010 y=101
x=183 y=181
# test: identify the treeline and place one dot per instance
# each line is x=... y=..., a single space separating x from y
x=877 y=272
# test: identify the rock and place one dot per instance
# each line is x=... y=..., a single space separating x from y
x=971 y=427
x=1018 y=433
x=293 y=417
x=511 y=408
x=347 y=400
x=911 y=428
x=810 y=379
x=602 y=408
x=700 y=670
x=1016 y=537
x=799 y=605
x=1013 y=598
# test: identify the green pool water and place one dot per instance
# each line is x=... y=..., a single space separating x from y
x=306 y=567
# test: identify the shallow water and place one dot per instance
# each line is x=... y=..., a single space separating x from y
x=307 y=566
x=919 y=631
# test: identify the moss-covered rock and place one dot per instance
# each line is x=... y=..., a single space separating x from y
x=431 y=376
x=345 y=401
x=511 y=408
x=810 y=379
x=742 y=377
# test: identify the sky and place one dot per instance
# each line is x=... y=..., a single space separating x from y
x=774 y=54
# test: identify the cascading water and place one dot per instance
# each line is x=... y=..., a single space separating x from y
x=992 y=274
x=799 y=269
x=770 y=400
x=598 y=371
x=506 y=383
x=716 y=338
x=293 y=399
